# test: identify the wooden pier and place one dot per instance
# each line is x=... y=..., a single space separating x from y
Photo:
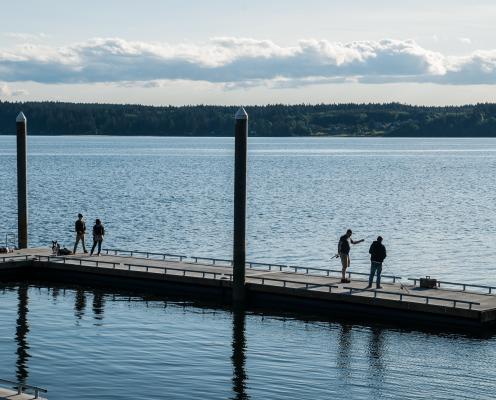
x=308 y=291
x=20 y=391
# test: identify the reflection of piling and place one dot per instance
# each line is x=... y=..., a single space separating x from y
x=240 y=150
x=22 y=181
x=238 y=354
x=22 y=330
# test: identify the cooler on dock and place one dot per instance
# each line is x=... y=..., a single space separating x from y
x=428 y=283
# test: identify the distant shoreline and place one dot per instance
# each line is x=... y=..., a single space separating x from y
x=278 y=120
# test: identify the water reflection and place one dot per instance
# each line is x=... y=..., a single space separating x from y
x=344 y=351
x=79 y=303
x=22 y=330
x=98 y=305
x=376 y=361
x=238 y=355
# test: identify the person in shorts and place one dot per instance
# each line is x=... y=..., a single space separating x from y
x=344 y=252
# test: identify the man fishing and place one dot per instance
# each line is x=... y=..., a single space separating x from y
x=344 y=252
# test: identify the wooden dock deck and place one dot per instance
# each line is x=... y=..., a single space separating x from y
x=299 y=289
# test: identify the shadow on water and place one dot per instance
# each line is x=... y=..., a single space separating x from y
x=238 y=354
x=22 y=330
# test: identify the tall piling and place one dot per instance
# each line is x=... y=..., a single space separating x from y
x=239 y=236
x=22 y=181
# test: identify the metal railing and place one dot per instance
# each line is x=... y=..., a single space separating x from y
x=11 y=238
x=148 y=254
x=249 y=264
x=308 y=285
x=204 y=274
x=64 y=260
x=129 y=266
x=6 y=258
x=21 y=388
x=401 y=295
x=294 y=268
x=463 y=285
x=215 y=261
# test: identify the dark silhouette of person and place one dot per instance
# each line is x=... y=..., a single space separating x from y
x=80 y=228
x=98 y=234
x=377 y=255
x=344 y=252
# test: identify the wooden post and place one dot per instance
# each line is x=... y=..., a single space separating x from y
x=22 y=181
x=239 y=246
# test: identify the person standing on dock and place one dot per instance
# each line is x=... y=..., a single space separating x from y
x=344 y=252
x=80 y=228
x=377 y=255
x=98 y=233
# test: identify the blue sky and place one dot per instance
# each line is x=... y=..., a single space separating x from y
x=256 y=52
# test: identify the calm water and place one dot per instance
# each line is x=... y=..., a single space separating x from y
x=432 y=200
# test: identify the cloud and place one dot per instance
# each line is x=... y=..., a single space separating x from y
x=6 y=91
x=22 y=36
x=465 y=40
x=243 y=62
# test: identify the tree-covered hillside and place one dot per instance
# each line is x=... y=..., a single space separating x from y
x=53 y=118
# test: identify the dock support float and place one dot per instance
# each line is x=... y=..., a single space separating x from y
x=239 y=246
x=22 y=181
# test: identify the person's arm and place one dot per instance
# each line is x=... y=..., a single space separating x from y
x=356 y=242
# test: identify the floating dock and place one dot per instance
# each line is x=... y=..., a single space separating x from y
x=20 y=391
x=307 y=291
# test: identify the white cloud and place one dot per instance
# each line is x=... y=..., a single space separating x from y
x=22 y=36
x=6 y=91
x=465 y=40
x=241 y=62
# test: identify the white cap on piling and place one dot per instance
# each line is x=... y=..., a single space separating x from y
x=241 y=114
x=21 y=117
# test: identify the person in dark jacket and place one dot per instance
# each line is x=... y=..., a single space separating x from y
x=98 y=233
x=377 y=255
x=80 y=228
x=344 y=252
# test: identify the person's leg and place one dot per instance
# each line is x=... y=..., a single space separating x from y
x=99 y=246
x=93 y=248
x=76 y=244
x=345 y=262
x=379 y=271
x=372 y=273
x=84 y=245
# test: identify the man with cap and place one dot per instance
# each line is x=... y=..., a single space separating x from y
x=80 y=228
x=377 y=253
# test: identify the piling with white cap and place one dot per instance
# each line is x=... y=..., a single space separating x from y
x=239 y=234
x=22 y=181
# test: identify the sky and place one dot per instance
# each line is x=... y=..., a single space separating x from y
x=248 y=52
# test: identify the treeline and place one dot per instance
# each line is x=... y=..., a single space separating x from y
x=393 y=119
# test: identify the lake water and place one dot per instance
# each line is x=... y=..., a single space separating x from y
x=431 y=199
